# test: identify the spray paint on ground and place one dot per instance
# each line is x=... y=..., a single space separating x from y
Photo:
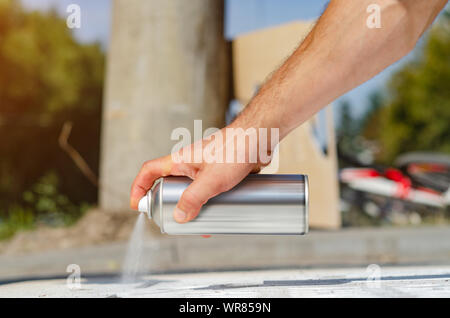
x=133 y=265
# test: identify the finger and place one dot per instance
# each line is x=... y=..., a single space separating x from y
x=149 y=173
x=195 y=195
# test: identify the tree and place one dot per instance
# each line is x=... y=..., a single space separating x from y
x=46 y=78
x=349 y=142
x=416 y=115
x=346 y=125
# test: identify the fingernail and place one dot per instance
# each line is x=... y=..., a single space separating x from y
x=179 y=215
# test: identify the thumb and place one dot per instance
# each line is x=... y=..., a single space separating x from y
x=194 y=196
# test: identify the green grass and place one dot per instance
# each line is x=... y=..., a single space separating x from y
x=24 y=219
x=18 y=219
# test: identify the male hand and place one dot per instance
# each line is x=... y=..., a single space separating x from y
x=209 y=179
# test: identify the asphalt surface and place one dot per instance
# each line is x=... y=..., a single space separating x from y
x=373 y=281
x=409 y=262
x=164 y=254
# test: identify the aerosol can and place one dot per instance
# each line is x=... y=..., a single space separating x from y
x=260 y=204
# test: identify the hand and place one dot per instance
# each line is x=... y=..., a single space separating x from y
x=209 y=179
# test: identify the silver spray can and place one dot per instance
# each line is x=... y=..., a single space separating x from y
x=260 y=204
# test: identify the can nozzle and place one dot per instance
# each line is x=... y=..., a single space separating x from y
x=144 y=204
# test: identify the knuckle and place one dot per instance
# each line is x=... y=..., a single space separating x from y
x=146 y=164
x=176 y=168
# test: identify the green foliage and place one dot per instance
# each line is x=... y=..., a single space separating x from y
x=17 y=219
x=42 y=203
x=417 y=112
x=45 y=199
x=347 y=130
x=347 y=127
x=46 y=79
x=350 y=142
x=370 y=123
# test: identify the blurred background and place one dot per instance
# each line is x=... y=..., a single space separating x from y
x=82 y=106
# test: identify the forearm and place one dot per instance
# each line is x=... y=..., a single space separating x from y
x=340 y=53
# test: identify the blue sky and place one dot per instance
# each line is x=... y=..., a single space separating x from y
x=241 y=16
x=249 y=15
x=95 y=16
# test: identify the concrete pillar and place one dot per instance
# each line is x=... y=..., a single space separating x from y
x=168 y=64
